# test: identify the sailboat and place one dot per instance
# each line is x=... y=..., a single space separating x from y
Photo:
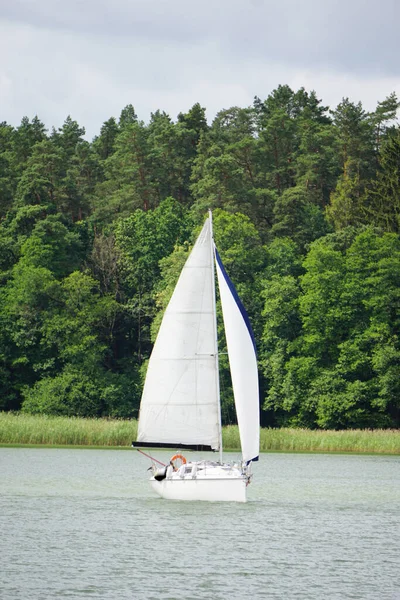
x=180 y=406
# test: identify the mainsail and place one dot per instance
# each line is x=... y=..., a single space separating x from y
x=180 y=401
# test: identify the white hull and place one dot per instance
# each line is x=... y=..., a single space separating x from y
x=212 y=484
x=214 y=490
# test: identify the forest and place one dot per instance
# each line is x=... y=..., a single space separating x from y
x=306 y=211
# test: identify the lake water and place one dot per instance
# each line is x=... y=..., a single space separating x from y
x=85 y=524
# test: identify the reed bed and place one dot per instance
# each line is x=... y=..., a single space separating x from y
x=23 y=429
x=368 y=441
x=17 y=428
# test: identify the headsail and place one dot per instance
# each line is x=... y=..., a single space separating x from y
x=243 y=364
x=180 y=403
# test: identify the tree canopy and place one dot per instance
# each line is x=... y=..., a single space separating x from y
x=306 y=204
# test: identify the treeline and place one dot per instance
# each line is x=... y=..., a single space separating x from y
x=306 y=205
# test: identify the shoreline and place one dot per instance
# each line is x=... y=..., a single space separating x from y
x=226 y=450
x=24 y=430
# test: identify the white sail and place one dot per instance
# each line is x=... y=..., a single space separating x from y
x=243 y=364
x=180 y=401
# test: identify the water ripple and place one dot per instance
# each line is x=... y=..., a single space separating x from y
x=85 y=524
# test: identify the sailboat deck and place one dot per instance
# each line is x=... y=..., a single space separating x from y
x=205 y=470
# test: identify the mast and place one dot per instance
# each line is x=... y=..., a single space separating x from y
x=216 y=335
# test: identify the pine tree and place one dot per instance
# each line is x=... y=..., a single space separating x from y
x=382 y=205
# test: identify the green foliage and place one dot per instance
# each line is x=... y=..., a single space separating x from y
x=283 y=258
x=342 y=367
x=144 y=238
x=41 y=180
x=25 y=137
x=104 y=144
x=127 y=184
x=355 y=135
x=93 y=236
x=72 y=393
x=52 y=245
x=298 y=218
x=382 y=205
x=75 y=392
x=383 y=116
x=68 y=137
x=347 y=201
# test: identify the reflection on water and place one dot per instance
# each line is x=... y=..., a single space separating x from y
x=85 y=523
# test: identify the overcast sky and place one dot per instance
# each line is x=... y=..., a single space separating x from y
x=90 y=58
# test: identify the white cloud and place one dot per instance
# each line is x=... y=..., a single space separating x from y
x=333 y=87
x=89 y=59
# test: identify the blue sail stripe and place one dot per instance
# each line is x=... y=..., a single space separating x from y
x=236 y=298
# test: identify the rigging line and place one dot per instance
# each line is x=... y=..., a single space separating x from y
x=148 y=456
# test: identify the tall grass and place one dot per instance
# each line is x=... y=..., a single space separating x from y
x=377 y=441
x=372 y=441
x=18 y=428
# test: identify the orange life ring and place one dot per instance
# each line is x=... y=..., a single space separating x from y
x=178 y=457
